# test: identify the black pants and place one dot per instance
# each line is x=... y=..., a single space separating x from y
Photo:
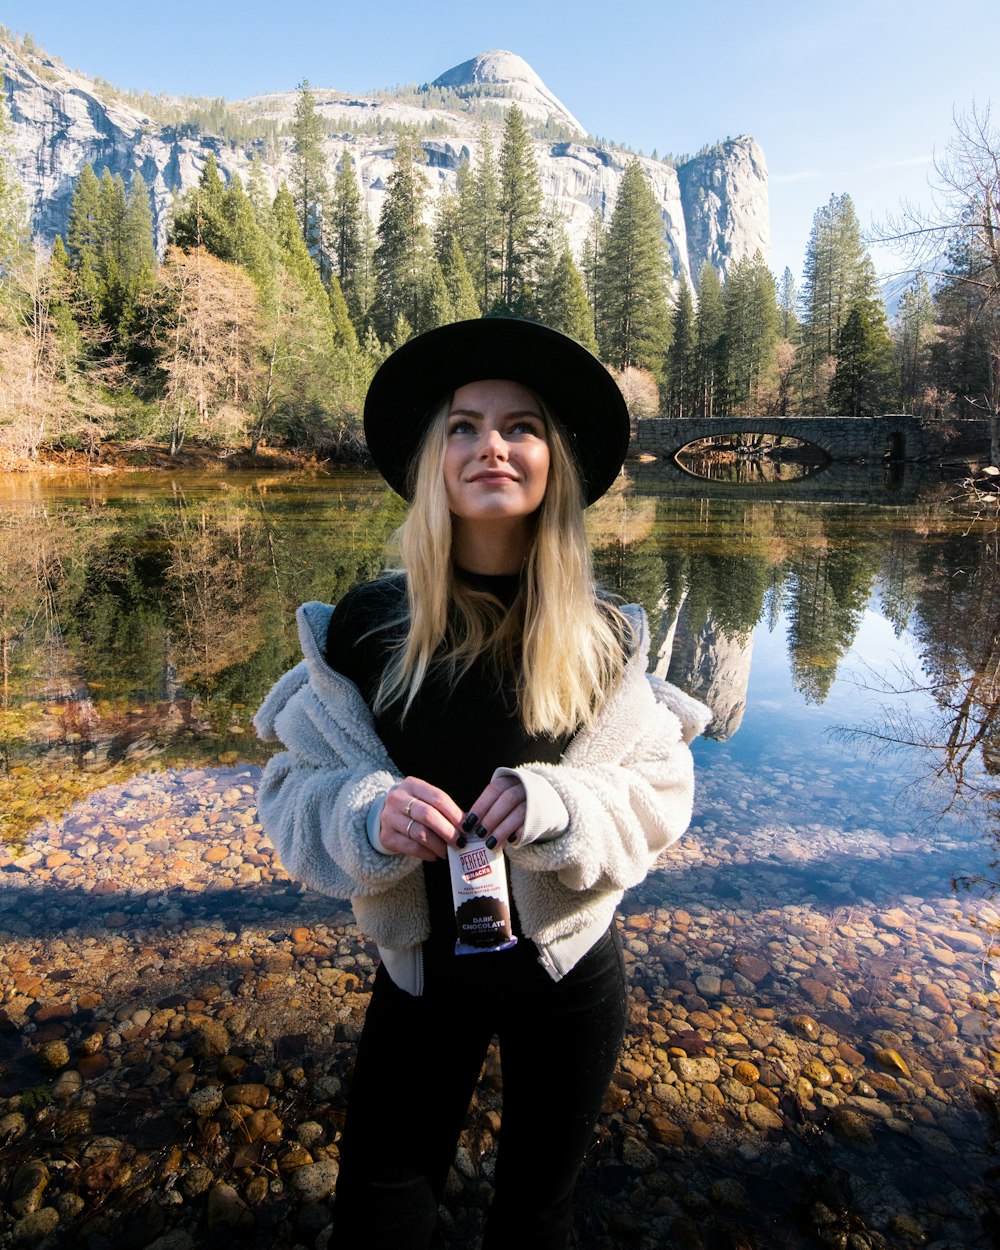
x=417 y=1066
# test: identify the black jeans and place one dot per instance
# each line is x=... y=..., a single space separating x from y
x=417 y=1066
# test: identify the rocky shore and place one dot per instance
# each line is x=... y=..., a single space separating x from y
x=806 y=1065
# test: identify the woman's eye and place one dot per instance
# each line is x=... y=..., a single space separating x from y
x=460 y=427
x=528 y=427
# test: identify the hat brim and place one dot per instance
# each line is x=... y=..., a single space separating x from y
x=573 y=383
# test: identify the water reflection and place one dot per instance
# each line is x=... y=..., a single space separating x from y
x=141 y=628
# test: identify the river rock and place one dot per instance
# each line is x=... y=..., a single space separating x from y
x=315 y=1181
x=36 y=1226
x=210 y=1040
x=226 y=1209
x=28 y=1187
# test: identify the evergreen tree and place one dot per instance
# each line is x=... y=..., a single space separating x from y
x=481 y=227
x=198 y=219
x=590 y=263
x=788 y=324
x=458 y=280
x=682 y=358
x=521 y=221
x=866 y=381
x=838 y=273
x=750 y=321
x=914 y=338
x=308 y=174
x=83 y=242
x=709 y=325
x=403 y=255
x=296 y=260
x=347 y=233
x=563 y=303
x=343 y=329
x=633 y=320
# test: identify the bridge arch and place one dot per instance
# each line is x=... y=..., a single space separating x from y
x=839 y=438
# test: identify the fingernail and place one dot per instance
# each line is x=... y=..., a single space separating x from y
x=470 y=822
x=512 y=838
x=460 y=841
x=491 y=842
x=482 y=832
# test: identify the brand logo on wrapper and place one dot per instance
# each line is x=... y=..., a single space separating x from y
x=482 y=903
x=476 y=864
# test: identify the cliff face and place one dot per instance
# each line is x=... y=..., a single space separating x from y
x=713 y=207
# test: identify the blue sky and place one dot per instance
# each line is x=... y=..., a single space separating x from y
x=851 y=97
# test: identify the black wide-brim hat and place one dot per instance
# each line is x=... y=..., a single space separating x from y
x=413 y=382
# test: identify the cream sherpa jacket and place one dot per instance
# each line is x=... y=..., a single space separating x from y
x=595 y=822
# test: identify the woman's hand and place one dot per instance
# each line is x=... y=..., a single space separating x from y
x=419 y=819
x=500 y=811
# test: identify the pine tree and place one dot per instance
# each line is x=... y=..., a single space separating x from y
x=633 y=320
x=458 y=280
x=590 y=263
x=838 y=273
x=750 y=320
x=521 y=221
x=403 y=251
x=347 y=233
x=83 y=242
x=788 y=324
x=866 y=381
x=709 y=325
x=563 y=303
x=682 y=358
x=343 y=329
x=481 y=228
x=914 y=338
x=308 y=174
x=198 y=219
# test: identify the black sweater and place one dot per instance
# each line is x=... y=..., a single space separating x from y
x=453 y=736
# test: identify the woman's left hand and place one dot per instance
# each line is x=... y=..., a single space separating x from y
x=500 y=811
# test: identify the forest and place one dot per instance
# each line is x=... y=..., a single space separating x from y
x=268 y=315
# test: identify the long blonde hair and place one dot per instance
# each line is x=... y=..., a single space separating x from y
x=564 y=648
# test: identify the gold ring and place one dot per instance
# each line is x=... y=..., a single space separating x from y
x=408 y=827
x=408 y=806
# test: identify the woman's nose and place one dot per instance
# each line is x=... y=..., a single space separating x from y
x=494 y=444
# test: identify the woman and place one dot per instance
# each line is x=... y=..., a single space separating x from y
x=485 y=690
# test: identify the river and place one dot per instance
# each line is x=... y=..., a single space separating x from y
x=812 y=1054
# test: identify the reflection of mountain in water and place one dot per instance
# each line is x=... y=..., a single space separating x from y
x=708 y=663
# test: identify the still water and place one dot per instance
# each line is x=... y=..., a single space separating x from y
x=829 y=913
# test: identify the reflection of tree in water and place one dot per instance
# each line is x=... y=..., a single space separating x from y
x=151 y=629
x=826 y=595
x=955 y=618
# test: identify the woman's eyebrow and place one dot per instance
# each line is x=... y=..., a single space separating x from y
x=513 y=412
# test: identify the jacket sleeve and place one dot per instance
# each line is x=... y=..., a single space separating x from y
x=314 y=797
x=626 y=790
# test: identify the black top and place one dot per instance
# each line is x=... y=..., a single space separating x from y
x=453 y=736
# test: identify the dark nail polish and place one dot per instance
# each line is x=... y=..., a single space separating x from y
x=491 y=842
x=482 y=832
x=460 y=841
x=512 y=839
x=470 y=822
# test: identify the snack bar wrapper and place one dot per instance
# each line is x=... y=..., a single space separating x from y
x=482 y=902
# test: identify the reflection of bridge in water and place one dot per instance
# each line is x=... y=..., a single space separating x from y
x=883 y=485
x=858 y=439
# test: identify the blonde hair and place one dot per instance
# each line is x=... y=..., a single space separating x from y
x=564 y=648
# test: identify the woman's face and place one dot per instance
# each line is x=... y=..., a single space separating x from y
x=496 y=461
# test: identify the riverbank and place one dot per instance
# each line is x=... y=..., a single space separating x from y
x=179 y=1022
x=147 y=456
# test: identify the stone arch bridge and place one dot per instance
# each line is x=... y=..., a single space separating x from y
x=896 y=436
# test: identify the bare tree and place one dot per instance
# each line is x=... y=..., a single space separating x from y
x=964 y=219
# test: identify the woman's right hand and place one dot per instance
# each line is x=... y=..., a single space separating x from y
x=419 y=819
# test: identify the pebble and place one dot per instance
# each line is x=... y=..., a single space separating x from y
x=228 y=1013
